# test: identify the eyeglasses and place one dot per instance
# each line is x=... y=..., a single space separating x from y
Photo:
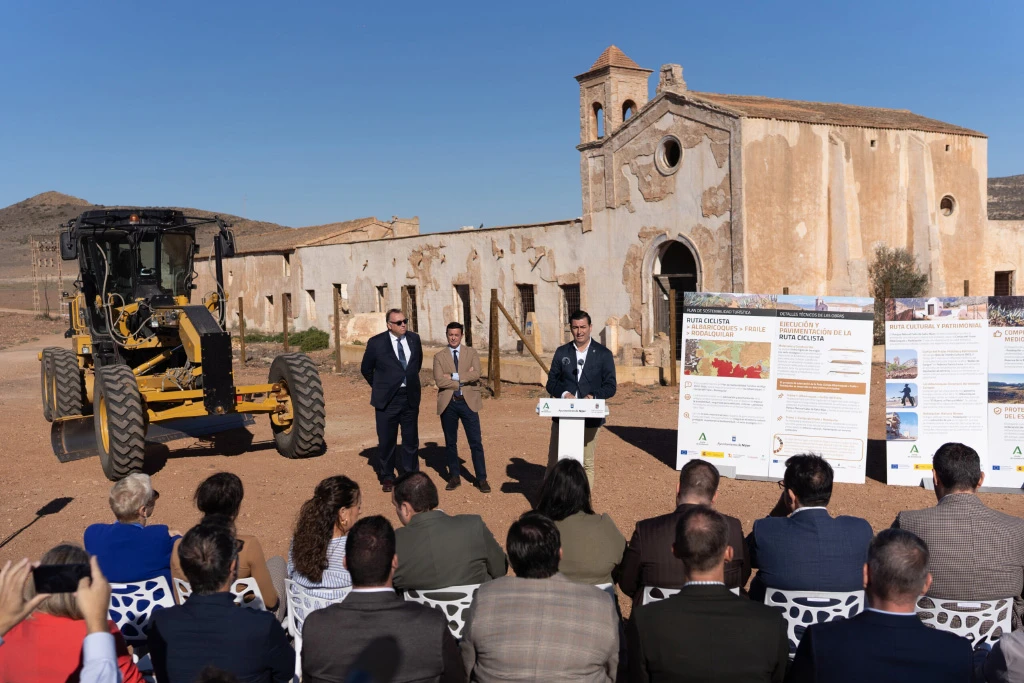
x=239 y=544
x=397 y=322
x=782 y=485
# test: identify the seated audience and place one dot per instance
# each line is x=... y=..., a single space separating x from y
x=209 y=629
x=591 y=544
x=1005 y=664
x=539 y=625
x=648 y=560
x=131 y=549
x=316 y=559
x=976 y=552
x=887 y=643
x=806 y=549
x=439 y=550
x=704 y=632
x=221 y=494
x=53 y=642
x=333 y=638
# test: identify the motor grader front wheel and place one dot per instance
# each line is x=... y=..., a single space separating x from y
x=299 y=426
x=120 y=421
x=60 y=382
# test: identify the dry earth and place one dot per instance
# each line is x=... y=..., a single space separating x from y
x=634 y=477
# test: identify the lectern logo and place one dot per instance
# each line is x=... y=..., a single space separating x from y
x=1016 y=450
x=913 y=449
x=571 y=406
x=546 y=407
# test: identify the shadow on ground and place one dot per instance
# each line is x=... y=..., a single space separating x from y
x=432 y=455
x=51 y=508
x=658 y=442
x=527 y=478
x=230 y=443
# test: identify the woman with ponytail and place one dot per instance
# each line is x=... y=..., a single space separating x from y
x=316 y=559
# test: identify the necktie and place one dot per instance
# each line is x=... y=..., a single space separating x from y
x=401 y=354
x=455 y=356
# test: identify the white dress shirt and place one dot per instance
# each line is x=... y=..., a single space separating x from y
x=581 y=360
x=405 y=348
x=455 y=375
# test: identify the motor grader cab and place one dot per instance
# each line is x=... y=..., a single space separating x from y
x=144 y=354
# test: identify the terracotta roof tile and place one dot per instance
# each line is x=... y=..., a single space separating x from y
x=613 y=56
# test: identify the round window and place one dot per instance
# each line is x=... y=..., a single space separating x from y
x=947 y=205
x=669 y=154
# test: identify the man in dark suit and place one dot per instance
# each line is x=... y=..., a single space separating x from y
x=977 y=553
x=704 y=632
x=887 y=643
x=210 y=629
x=438 y=550
x=583 y=368
x=391 y=366
x=648 y=559
x=800 y=546
x=333 y=638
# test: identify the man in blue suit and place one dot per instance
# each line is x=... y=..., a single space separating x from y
x=391 y=366
x=800 y=546
x=583 y=368
x=887 y=642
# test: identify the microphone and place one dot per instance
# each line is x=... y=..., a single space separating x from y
x=579 y=367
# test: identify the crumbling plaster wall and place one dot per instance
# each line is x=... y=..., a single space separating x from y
x=1004 y=251
x=817 y=199
x=252 y=277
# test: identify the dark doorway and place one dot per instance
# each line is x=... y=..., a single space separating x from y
x=678 y=271
x=462 y=299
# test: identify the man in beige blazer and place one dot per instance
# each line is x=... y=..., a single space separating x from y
x=457 y=374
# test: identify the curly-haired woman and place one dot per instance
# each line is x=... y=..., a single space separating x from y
x=316 y=560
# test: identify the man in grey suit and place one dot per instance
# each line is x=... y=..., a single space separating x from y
x=539 y=625
x=976 y=552
x=333 y=638
x=439 y=550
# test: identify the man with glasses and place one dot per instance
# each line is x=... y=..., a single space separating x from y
x=391 y=366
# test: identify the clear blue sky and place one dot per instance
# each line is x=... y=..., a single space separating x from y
x=461 y=113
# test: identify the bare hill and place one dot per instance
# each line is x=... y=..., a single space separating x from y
x=1006 y=198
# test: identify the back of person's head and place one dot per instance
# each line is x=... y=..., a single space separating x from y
x=702 y=535
x=220 y=494
x=206 y=553
x=418 y=490
x=315 y=525
x=565 y=491
x=211 y=674
x=809 y=477
x=534 y=546
x=131 y=493
x=897 y=566
x=61 y=604
x=369 y=551
x=698 y=480
x=957 y=466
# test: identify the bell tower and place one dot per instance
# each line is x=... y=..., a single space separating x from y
x=611 y=91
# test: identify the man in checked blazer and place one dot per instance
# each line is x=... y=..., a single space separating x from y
x=539 y=625
x=976 y=552
x=457 y=375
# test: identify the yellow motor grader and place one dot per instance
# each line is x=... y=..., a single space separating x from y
x=143 y=354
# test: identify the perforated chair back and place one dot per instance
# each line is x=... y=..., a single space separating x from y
x=132 y=606
x=654 y=593
x=300 y=605
x=246 y=592
x=453 y=601
x=981 y=621
x=806 y=608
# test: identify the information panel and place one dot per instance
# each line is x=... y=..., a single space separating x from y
x=1005 y=392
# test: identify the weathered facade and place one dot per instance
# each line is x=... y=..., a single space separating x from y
x=685 y=191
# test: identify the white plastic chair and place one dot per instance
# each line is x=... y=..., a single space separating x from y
x=655 y=593
x=453 y=601
x=979 y=621
x=132 y=606
x=806 y=608
x=300 y=605
x=246 y=591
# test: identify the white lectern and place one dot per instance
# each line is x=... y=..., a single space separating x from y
x=570 y=413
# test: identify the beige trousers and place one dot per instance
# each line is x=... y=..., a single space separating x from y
x=589 y=447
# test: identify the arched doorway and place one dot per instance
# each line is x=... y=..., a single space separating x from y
x=675 y=267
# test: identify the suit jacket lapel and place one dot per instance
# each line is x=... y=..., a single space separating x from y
x=393 y=352
x=587 y=367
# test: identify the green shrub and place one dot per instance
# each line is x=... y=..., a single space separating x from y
x=307 y=340
x=897 y=268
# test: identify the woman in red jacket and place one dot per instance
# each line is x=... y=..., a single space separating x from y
x=47 y=646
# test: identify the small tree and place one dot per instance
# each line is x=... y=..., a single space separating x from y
x=898 y=269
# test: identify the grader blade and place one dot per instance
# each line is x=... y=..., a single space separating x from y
x=73 y=438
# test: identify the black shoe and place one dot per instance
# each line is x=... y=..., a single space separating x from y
x=453 y=483
x=483 y=486
x=387 y=486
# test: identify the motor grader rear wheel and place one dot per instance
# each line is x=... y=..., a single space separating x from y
x=302 y=395
x=46 y=381
x=66 y=387
x=120 y=420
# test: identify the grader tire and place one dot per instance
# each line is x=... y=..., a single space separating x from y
x=67 y=384
x=299 y=377
x=120 y=421
x=46 y=381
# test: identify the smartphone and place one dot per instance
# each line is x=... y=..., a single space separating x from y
x=59 y=578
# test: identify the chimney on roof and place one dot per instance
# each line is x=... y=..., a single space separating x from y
x=671 y=79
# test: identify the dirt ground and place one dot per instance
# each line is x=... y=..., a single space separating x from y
x=635 y=463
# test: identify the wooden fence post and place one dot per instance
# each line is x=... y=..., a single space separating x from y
x=337 y=329
x=967 y=287
x=284 y=320
x=494 y=359
x=241 y=329
x=526 y=342
x=672 y=337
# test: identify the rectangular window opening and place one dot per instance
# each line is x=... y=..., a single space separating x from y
x=409 y=306
x=287 y=265
x=382 y=298
x=524 y=306
x=1004 y=283
x=311 y=304
x=464 y=313
x=570 y=304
